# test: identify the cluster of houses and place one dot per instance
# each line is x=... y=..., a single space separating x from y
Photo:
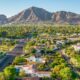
x=30 y=69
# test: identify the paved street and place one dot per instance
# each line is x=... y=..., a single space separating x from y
x=18 y=50
x=6 y=61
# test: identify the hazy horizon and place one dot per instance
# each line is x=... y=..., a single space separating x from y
x=10 y=8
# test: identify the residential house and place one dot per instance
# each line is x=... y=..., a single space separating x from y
x=31 y=70
x=77 y=47
x=36 y=59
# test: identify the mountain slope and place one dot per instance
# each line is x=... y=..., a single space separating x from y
x=66 y=17
x=3 y=19
x=32 y=14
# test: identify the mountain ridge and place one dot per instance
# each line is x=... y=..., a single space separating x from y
x=35 y=14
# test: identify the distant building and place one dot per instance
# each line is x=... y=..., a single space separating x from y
x=39 y=47
x=77 y=47
x=60 y=42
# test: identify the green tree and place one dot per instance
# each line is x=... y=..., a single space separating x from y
x=10 y=73
x=2 y=77
x=22 y=73
x=19 y=60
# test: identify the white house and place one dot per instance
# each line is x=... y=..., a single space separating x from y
x=77 y=47
x=29 y=69
x=36 y=59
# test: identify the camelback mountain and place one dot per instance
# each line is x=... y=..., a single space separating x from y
x=34 y=14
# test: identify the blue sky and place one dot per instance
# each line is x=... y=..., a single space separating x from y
x=12 y=7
